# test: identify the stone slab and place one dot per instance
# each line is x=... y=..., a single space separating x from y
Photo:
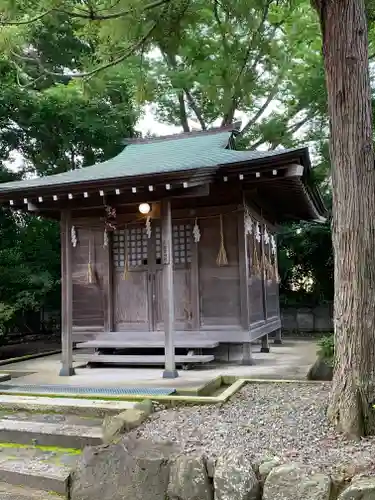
x=83 y=407
x=10 y=492
x=36 y=468
x=187 y=342
x=144 y=360
x=49 y=434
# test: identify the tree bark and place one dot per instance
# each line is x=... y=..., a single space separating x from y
x=182 y=112
x=345 y=52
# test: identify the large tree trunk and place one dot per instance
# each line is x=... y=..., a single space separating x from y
x=345 y=52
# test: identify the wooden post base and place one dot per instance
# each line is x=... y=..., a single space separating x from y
x=247 y=358
x=278 y=339
x=170 y=374
x=265 y=345
x=67 y=372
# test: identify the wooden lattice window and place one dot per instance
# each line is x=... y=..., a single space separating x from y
x=119 y=248
x=181 y=243
x=158 y=248
x=130 y=244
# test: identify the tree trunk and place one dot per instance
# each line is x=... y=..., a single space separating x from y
x=345 y=52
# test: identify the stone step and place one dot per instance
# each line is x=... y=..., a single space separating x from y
x=141 y=343
x=142 y=360
x=58 y=434
x=40 y=468
x=74 y=406
x=11 y=492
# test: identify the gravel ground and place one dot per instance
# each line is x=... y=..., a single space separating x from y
x=283 y=420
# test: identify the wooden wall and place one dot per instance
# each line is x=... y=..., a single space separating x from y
x=240 y=295
x=90 y=299
x=219 y=287
x=255 y=280
x=263 y=287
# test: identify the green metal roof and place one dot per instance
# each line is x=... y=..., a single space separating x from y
x=161 y=156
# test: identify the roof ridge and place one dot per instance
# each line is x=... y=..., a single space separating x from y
x=234 y=128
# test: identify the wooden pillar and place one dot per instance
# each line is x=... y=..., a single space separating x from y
x=66 y=296
x=244 y=273
x=247 y=358
x=264 y=273
x=278 y=337
x=108 y=285
x=168 y=295
x=195 y=298
x=265 y=345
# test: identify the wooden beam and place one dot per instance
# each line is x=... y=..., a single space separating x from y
x=125 y=198
x=243 y=268
x=264 y=284
x=108 y=285
x=194 y=276
x=66 y=296
x=168 y=293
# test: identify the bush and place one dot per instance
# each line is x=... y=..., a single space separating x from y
x=326 y=348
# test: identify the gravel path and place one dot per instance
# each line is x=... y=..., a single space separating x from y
x=283 y=420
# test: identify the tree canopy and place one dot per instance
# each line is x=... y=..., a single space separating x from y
x=53 y=126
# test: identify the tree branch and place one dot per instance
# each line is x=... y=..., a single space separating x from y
x=170 y=60
x=253 y=39
x=85 y=14
x=229 y=114
x=94 y=16
x=183 y=114
x=27 y=21
x=263 y=108
x=194 y=106
x=131 y=50
x=292 y=129
x=220 y=24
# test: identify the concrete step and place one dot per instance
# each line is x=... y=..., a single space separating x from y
x=39 y=468
x=49 y=434
x=115 y=343
x=142 y=360
x=73 y=406
x=11 y=492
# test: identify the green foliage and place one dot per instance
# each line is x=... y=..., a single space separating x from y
x=306 y=264
x=6 y=315
x=29 y=266
x=54 y=125
x=326 y=348
x=200 y=63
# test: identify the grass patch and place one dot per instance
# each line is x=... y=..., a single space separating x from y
x=56 y=449
x=326 y=349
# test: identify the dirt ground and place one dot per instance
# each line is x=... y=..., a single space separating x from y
x=31 y=347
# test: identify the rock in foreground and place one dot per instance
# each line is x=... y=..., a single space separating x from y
x=134 y=469
x=189 y=480
x=295 y=482
x=361 y=488
x=235 y=478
